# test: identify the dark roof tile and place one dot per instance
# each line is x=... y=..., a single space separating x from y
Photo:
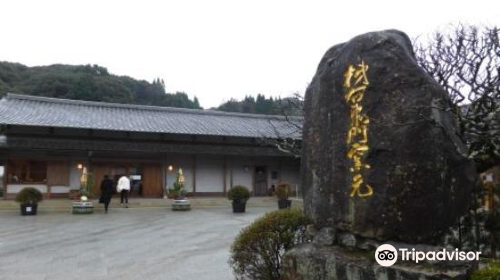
x=28 y=110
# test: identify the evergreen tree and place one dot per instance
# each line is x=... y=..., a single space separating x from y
x=290 y=106
x=87 y=82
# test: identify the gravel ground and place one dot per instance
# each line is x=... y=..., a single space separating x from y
x=145 y=244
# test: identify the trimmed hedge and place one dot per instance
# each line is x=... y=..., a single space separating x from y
x=256 y=253
x=29 y=195
x=238 y=193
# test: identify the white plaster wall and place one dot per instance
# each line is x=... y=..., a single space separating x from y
x=59 y=189
x=74 y=176
x=242 y=170
x=209 y=174
x=210 y=171
x=15 y=188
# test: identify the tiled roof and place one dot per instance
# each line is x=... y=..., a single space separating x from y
x=16 y=109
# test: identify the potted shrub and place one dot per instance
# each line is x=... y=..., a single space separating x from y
x=239 y=195
x=178 y=194
x=29 y=198
x=82 y=205
x=283 y=192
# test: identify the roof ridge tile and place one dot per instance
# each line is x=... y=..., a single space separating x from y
x=142 y=107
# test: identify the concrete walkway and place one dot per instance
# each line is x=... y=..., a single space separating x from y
x=140 y=243
x=64 y=205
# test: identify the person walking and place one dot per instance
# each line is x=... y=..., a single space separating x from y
x=106 y=192
x=123 y=188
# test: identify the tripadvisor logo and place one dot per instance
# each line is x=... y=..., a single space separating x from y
x=387 y=255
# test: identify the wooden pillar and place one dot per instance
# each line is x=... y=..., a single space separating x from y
x=164 y=176
x=225 y=174
x=194 y=175
x=6 y=178
x=89 y=161
x=231 y=173
x=253 y=177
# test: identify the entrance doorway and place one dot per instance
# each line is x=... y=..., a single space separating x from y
x=135 y=173
x=260 y=185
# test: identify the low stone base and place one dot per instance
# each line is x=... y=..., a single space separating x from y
x=83 y=207
x=317 y=262
x=181 y=205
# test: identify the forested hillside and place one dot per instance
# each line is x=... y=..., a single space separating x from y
x=87 y=82
x=95 y=83
x=290 y=106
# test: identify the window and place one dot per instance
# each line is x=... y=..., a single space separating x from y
x=27 y=172
x=274 y=175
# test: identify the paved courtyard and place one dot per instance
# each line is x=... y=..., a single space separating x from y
x=143 y=244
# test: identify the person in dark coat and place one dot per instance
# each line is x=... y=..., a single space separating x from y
x=107 y=190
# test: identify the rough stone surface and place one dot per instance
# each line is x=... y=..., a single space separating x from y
x=314 y=262
x=347 y=240
x=368 y=245
x=311 y=231
x=325 y=236
x=419 y=174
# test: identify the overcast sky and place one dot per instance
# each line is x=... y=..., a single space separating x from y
x=214 y=49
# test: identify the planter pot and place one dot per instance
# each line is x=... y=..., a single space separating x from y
x=284 y=203
x=181 y=205
x=239 y=206
x=83 y=207
x=28 y=209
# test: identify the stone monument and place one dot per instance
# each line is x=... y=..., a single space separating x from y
x=381 y=160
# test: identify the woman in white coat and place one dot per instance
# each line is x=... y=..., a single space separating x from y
x=123 y=187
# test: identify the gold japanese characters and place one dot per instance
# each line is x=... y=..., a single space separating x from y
x=355 y=83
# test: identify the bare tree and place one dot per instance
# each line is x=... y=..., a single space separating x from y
x=290 y=121
x=466 y=62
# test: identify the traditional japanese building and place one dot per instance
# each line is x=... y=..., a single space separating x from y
x=46 y=142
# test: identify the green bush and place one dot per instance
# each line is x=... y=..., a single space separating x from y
x=238 y=193
x=256 y=253
x=29 y=195
x=178 y=191
x=86 y=187
x=283 y=190
x=491 y=272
